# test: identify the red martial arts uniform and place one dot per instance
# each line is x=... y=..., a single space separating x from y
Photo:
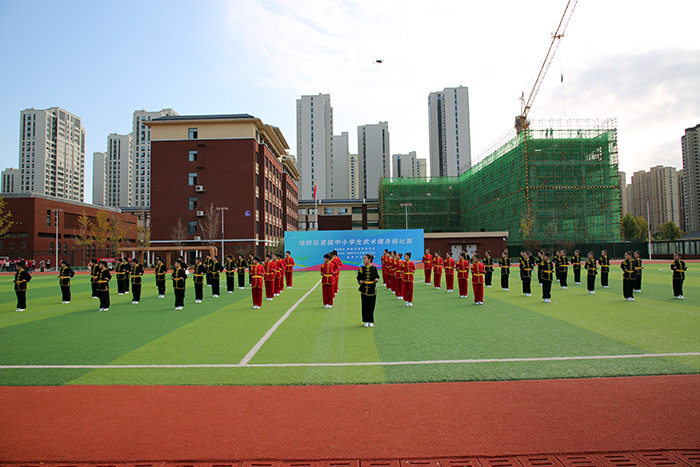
x=256 y=283
x=437 y=271
x=269 y=267
x=478 y=282
x=279 y=275
x=449 y=273
x=463 y=277
x=408 y=271
x=398 y=278
x=328 y=282
x=427 y=266
x=289 y=270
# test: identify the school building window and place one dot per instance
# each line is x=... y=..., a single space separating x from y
x=192 y=156
x=192 y=203
x=192 y=227
x=192 y=133
x=192 y=179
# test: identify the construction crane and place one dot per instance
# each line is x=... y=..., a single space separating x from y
x=521 y=121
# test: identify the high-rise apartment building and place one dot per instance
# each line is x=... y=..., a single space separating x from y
x=681 y=198
x=315 y=146
x=141 y=156
x=408 y=165
x=118 y=171
x=10 y=180
x=658 y=188
x=354 y=176
x=690 y=143
x=341 y=166
x=52 y=153
x=375 y=162
x=421 y=168
x=622 y=176
x=450 y=140
x=99 y=161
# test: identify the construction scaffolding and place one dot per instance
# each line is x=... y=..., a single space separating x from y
x=554 y=183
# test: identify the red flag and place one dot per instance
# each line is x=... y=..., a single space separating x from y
x=314 y=192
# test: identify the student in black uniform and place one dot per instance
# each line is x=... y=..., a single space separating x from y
x=488 y=269
x=22 y=277
x=576 y=266
x=160 y=272
x=367 y=277
x=136 y=280
x=208 y=261
x=678 y=267
x=94 y=276
x=627 y=267
x=526 y=272
x=215 y=276
x=592 y=272
x=241 y=265
x=637 y=260
x=563 y=269
x=604 y=263
x=230 y=273
x=103 y=286
x=64 y=276
x=547 y=270
x=179 y=277
x=120 y=270
x=200 y=271
x=504 y=263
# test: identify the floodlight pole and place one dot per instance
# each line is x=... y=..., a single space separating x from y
x=406 y=205
x=222 y=209
x=649 y=225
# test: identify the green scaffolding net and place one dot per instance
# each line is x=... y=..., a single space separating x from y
x=557 y=182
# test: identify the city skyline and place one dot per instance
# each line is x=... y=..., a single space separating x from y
x=643 y=68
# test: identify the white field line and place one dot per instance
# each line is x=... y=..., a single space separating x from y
x=267 y=335
x=285 y=365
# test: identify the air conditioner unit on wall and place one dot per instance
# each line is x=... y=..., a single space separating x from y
x=199 y=188
x=197 y=237
x=200 y=213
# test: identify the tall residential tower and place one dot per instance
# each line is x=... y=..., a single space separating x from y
x=315 y=146
x=691 y=173
x=450 y=140
x=375 y=160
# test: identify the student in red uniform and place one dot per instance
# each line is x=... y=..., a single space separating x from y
x=269 y=276
x=478 y=279
x=463 y=275
x=279 y=275
x=327 y=280
x=449 y=265
x=390 y=271
x=383 y=261
x=437 y=269
x=336 y=275
x=256 y=281
x=289 y=268
x=398 y=277
x=409 y=269
x=427 y=265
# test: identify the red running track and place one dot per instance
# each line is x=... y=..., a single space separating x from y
x=401 y=421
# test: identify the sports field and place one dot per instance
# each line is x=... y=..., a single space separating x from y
x=223 y=341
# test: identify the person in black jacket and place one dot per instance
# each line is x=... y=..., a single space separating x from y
x=179 y=277
x=679 y=268
x=22 y=277
x=367 y=277
x=136 y=280
x=200 y=271
x=64 y=276
x=103 y=279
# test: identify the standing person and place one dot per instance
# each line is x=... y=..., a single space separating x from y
x=678 y=267
x=160 y=272
x=562 y=268
x=576 y=265
x=338 y=266
x=408 y=270
x=288 y=268
x=256 y=272
x=389 y=274
x=200 y=271
x=42 y=265
x=504 y=263
x=279 y=276
x=367 y=277
x=22 y=277
x=179 y=277
x=382 y=260
x=637 y=260
x=547 y=270
x=538 y=262
x=437 y=269
x=463 y=275
x=398 y=277
x=249 y=261
x=526 y=263
x=449 y=265
x=103 y=286
x=64 y=276
x=241 y=265
x=119 y=269
x=327 y=281
x=427 y=265
x=478 y=279
x=488 y=268
x=136 y=281
x=127 y=270
x=604 y=263
x=230 y=273
x=215 y=276
x=592 y=272
x=269 y=275
x=94 y=275
x=207 y=264
x=627 y=267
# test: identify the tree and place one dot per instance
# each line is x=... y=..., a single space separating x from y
x=643 y=226
x=211 y=224
x=670 y=231
x=5 y=222
x=630 y=229
x=117 y=231
x=143 y=235
x=83 y=237
x=178 y=232
x=100 y=230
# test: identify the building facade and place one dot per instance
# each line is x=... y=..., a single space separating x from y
x=681 y=198
x=375 y=157
x=116 y=176
x=52 y=153
x=230 y=167
x=353 y=176
x=341 y=166
x=408 y=165
x=339 y=214
x=450 y=137
x=421 y=168
x=99 y=161
x=315 y=146
x=10 y=180
x=659 y=189
x=690 y=143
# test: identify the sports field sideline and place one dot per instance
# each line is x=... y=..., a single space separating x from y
x=294 y=340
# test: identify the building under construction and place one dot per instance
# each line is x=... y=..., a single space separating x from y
x=556 y=182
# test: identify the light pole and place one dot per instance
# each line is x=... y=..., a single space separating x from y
x=222 y=209
x=406 y=205
x=649 y=225
x=57 y=245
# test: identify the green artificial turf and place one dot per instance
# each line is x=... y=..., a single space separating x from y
x=440 y=328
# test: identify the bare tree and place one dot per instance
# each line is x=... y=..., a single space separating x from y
x=211 y=224
x=178 y=232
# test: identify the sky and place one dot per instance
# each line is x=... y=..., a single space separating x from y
x=635 y=61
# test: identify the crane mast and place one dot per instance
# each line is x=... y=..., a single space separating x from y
x=521 y=121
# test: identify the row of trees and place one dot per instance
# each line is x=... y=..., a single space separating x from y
x=209 y=226
x=637 y=228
